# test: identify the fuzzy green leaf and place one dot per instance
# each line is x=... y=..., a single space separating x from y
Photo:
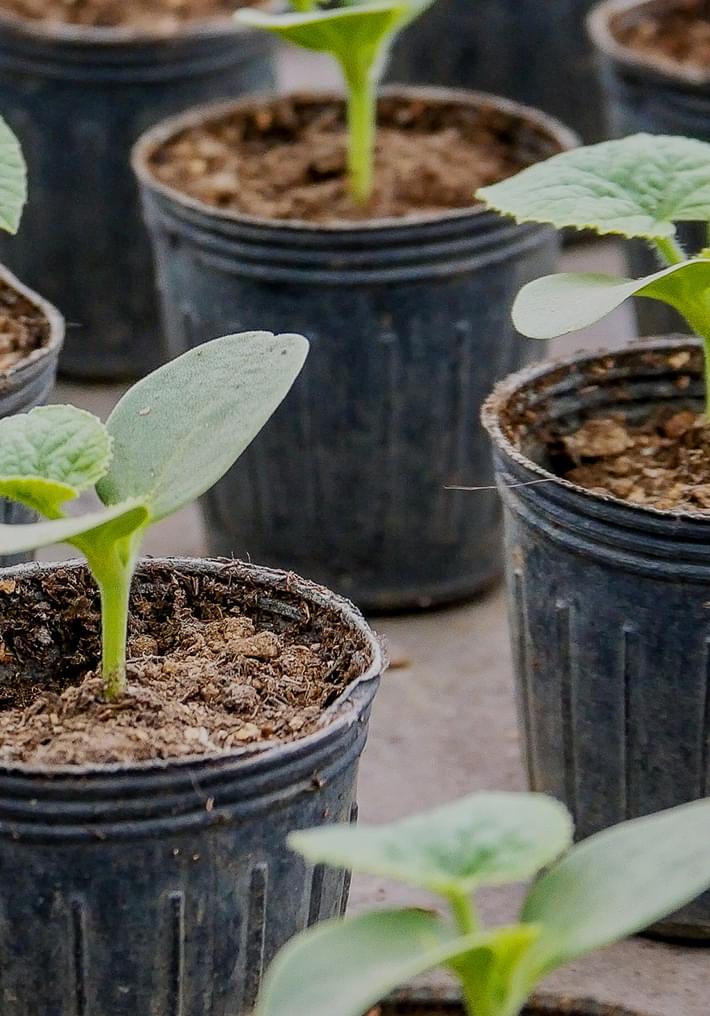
x=49 y=455
x=558 y=304
x=121 y=519
x=488 y=839
x=354 y=35
x=13 y=180
x=638 y=186
x=180 y=429
x=618 y=882
x=342 y=968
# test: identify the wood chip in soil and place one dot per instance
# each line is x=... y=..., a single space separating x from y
x=160 y=16
x=23 y=327
x=680 y=32
x=287 y=159
x=210 y=670
x=663 y=462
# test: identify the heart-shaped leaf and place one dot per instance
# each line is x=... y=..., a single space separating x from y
x=488 y=839
x=557 y=304
x=618 y=882
x=179 y=430
x=122 y=519
x=638 y=186
x=342 y=968
x=13 y=180
x=49 y=455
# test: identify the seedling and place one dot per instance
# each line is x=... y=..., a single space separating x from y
x=169 y=439
x=608 y=887
x=359 y=36
x=639 y=187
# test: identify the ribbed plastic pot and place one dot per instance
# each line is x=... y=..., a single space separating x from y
x=28 y=385
x=409 y=328
x=655 y=95
x=608 y=602
x=444 y=1002
x=530 y=51
x=166 y=887
x=78 y=98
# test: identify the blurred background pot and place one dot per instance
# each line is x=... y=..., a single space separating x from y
x=651 y=93
x=26 y=385
x=608 y=601
x=166 y=887
x=535 y=51
x=409 y=327
x=78 y=98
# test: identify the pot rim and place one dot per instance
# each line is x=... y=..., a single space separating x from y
x=539 y=1004
x=599 y=29
x=338 y=715
x=161 y=132
x=56 y=321
x=88 y=36
x=512 y=384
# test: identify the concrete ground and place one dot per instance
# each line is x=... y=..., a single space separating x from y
x=444 y=724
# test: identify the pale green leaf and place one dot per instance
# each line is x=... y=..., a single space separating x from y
x=342 y=968
x=487 y=838
x=497 y=976
x=618 y=882
x=558 y=304
x=49 y=455
x=123 y=519
x=354 y=35
x=638 y=186
x=13 y=180
x=180 y=429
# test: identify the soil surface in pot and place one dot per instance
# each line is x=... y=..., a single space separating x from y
x=23 y=327
x=663 y=462
x=286 y=159
x=150 y=15
x=680 y=32
x=212 y=667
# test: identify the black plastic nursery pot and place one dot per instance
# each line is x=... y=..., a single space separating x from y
x=78 y=98
x=656 y=95
x=537 y=53
x=27 y=385
x=429 y=1002
x=409 y=327
x=166 y=887
x=608 y=601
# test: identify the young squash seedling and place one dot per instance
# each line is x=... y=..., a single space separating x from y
x=169 y=439
x=359 y=35
x=639 y=187
x=610 y=886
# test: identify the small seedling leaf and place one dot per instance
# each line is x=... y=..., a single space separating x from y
x=618 y=882
x=51 y=454
x=349 y=33
x=498 y=975
x=488 y=839
x=179 y=430
x=557 y=304
x=636 y=187
x=342 y=968
x=123 y=519
x=13 y=180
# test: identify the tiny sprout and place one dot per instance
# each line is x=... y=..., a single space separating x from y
x=640 y=187
x=592 y=895
x=359 y=36
x=169 y=439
